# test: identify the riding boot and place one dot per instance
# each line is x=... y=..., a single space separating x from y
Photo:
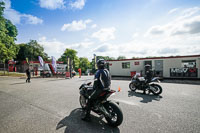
x=144 y=91
x=86 y=116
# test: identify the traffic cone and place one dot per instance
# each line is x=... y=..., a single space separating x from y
x=119 y=89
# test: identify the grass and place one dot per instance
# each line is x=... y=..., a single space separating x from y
x=12 y=74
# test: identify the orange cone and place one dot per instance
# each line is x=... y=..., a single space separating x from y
x=119 y=89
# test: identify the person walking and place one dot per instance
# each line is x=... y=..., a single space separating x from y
x=28 y=74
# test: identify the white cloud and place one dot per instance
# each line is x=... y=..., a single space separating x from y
x=17 y=17
x=146 y=46
x=103 y=48
x=29 y=19
x=76 y=25
x=52 y=47
x=173 y=10
x=52 y=4
x=190 y=11
x=93 y=26
x=105 y=34
x=56 y=48
x=186 y=23
x=78 y=4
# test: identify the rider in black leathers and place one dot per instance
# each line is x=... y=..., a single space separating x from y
x=102 y=82
x=148 y=75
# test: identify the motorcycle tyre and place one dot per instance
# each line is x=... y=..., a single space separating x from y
x=131 y=87
x=117 y=111
x=81 y=98
x=158 y=87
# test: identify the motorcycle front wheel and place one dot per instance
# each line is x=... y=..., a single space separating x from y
x=132 y=86
x=83 y=101
x=156 y=89
x=115 y=113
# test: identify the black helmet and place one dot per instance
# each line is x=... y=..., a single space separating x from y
x=147 y=67
x=101 y=63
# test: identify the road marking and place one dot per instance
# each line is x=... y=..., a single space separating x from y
x=126 y=102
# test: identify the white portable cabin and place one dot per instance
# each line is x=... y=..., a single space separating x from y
x=166 y=67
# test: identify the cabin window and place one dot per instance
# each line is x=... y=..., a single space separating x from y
x=125 y=65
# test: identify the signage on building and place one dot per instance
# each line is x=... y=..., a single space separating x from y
x=11 y=62
x=137 y=63
x=183 y=72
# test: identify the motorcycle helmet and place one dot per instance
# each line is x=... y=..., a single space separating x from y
x=101 y=63
x=147 y=66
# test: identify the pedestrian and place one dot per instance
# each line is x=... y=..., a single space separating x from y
x=28 y=74
x=79 y=70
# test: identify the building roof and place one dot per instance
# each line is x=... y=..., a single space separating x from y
x=169 y=57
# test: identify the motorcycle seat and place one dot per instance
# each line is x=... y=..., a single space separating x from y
x=141 y=79
x=89 y=87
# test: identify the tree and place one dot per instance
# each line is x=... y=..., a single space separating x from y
x=12 y=30
x=84 y=64
x=31 y=50
x=8 y=33
x=121 y=57
x=72 y=54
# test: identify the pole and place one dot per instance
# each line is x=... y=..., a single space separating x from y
x=43 y=68
x=95 y=62
x=4 y=67
x=70 y=67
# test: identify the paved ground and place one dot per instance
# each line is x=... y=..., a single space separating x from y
x=52 y=106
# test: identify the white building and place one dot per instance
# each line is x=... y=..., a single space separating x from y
x=167 y=67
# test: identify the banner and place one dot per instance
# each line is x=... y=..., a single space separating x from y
x=41 y=61
x=53 y=63
x=27 y=60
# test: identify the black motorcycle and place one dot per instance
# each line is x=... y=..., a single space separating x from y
x=140 y=83
x=108 y=109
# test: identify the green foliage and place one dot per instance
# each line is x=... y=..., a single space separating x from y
x=72 y=54
x=12 y=30
x=76 y=63
x=31 y=50
x=84 y=64
x=2 y=4
x=69 y=53
x=121 y=57
x=8 y=33
x=81 y=62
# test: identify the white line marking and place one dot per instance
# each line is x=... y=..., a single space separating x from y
x=126 y=102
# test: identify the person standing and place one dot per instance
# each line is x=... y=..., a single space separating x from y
x=79 y=70
x=28 y=74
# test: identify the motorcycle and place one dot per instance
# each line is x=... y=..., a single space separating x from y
x=140 y=83
x=103 y=107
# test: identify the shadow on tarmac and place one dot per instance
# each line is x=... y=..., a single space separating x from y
x=19 y=83
x=56 y=79
x=146 y=97
x=74 y=124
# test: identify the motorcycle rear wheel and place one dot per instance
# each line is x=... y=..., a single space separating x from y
x=157 y=89
x=116 y=113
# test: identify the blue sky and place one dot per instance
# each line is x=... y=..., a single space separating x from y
x=130 y=28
